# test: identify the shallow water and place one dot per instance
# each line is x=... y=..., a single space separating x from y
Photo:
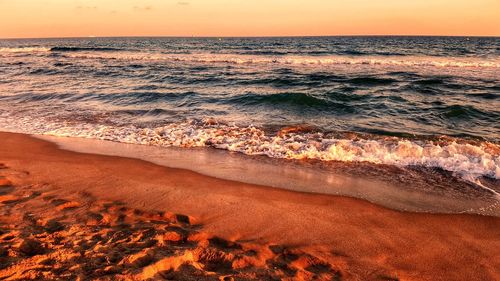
x=413 y=191
x=429 y=104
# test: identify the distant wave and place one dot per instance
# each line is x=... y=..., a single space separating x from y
x=80 y=49
x=371 y=81
x=353 y=53
x=55 y=49
x=264 y=57
x=24 y=49
x=409 y=61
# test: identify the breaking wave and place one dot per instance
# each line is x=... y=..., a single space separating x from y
x=24 y=50
x=85 y=49
x=467 y=159
x=56 y=49
x=348 y=59
x=421 y=61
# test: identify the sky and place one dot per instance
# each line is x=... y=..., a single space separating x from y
x=81 y=18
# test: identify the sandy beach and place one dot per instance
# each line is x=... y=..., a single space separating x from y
x=80 y=216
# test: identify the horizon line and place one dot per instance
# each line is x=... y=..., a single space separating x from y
x=265 y=36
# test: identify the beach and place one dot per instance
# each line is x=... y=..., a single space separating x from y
x=276 y=158
x=72 y=215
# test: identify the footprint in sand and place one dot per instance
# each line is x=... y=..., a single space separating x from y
x=99 y=240
x=6 y=188
x=62 y=204
x=9 y=199
x=4 y=182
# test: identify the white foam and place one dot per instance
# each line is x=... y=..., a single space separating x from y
x=405 y=61
x=24 y=50
x=467 y=160
x=408 y=61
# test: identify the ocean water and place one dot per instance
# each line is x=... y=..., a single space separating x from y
x=426 y=104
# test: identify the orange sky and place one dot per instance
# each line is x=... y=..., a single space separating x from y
x=74 y=18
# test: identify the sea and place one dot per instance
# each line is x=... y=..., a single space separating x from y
x=419 y=113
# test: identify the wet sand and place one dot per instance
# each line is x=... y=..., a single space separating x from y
x=72 y=215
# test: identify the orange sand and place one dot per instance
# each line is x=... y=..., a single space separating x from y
x=70 y=215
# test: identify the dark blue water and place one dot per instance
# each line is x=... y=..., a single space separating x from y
x=428 y=101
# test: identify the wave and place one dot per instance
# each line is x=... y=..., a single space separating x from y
x=56 y=49
x=85 y=49
x=467 y=159
x=430 y=82
x=462 y=111
x=367 y=53
x=415 y=61
x=353 y=53
x=464 y=159
x=292 y=99
x=24 y=49
x=371 y=81
x=264 y=58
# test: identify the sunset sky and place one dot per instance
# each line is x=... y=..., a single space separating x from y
x=74 y=18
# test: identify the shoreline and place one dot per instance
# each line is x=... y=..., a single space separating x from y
x=416 y=193
x=354 y=239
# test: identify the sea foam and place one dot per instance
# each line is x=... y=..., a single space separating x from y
x=409 y=61
x=24 y=49
x=468 y=160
